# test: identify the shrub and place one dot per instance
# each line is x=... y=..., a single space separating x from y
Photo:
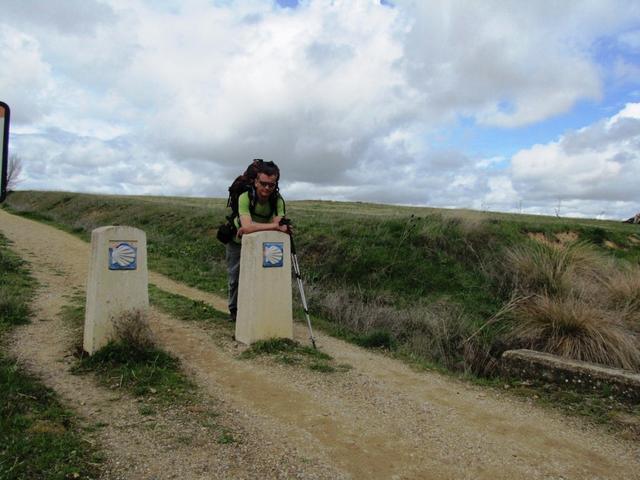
x=13 y=310
x=437 y=333
x=573 y=327
x=440 y=332
x=9 y=263
x=538 y=267
x=134 y=362
x=574 y=302
x=623 y=288
x=375 y=339
x=132 y=328
x=16 y=287
x=133 y=343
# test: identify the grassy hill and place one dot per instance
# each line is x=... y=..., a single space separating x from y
x=450 y=287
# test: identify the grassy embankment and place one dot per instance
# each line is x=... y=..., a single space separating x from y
x=39 y=437
x=449 y=288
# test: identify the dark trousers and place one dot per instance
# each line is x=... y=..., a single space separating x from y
x=233 y=271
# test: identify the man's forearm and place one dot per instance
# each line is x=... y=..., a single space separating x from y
x=259 y=227
x=249 y=226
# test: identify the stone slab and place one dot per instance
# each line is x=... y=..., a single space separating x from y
x=585 y=376
x=118 y=281
x=264 y=294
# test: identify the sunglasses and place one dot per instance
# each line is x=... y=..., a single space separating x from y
x=269 y=185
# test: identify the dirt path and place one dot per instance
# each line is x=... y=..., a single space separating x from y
x=378 y=420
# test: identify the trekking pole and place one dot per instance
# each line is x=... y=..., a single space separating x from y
x=296 y=270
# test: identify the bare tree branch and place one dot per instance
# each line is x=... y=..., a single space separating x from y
x=14 y=169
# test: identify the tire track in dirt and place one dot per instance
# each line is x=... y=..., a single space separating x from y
x=379 y=420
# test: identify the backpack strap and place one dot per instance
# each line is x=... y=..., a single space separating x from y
x=252 y=199
x=273 y=202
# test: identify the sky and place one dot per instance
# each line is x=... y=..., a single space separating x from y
x=530 y=107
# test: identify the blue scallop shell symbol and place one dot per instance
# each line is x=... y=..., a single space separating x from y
x=272 y=254
x=122 y=256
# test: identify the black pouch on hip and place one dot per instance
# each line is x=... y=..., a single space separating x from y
x=226 y=232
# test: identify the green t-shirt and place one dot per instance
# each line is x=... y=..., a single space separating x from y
x=262 y=211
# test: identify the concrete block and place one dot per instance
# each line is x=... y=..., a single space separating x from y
x=574 y=374
x=264 y=294
x=118 y=281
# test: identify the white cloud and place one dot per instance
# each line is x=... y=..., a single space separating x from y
x=24 y=76
x=177 y=97
x=506 y=65
x=464 y=181
x=501 y=191
x=598 y=164
x=630 y=110
x=75 y=16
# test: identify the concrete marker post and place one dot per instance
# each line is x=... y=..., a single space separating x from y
x=264 y=295
x=117 y=284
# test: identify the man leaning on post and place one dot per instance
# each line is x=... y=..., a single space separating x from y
x=255 y=214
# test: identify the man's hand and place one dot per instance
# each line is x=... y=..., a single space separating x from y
x=284 y=228
x=286 y=223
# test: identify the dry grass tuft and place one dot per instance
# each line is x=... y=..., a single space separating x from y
x=439 y=332
x=623 y=287
x=550 y=268
x=575 y=302
x=132 y=328
x=46 y=427
x=573 y=327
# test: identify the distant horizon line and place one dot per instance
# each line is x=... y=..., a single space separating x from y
x=366 y=202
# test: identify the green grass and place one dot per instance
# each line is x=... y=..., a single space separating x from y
x=412 y=253
x=226 y=438
x=17 y=288
x=142 y=371
x=186 y=309
x=390 y=263
x=282 y=345
x=384 y=260
x=73 y=312
x=39 y=437
x=322 y=367
x=290 y=352
x=375 y=339
x=139 y=368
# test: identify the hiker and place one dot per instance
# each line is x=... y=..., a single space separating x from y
x=260 y=208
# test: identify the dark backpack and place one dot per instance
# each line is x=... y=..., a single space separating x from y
x=244 y=183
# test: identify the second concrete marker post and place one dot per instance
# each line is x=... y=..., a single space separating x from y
x=264 y=295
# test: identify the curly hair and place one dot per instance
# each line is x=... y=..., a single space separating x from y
x=268 y=168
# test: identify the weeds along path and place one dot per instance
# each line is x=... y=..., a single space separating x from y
x=378 y=419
